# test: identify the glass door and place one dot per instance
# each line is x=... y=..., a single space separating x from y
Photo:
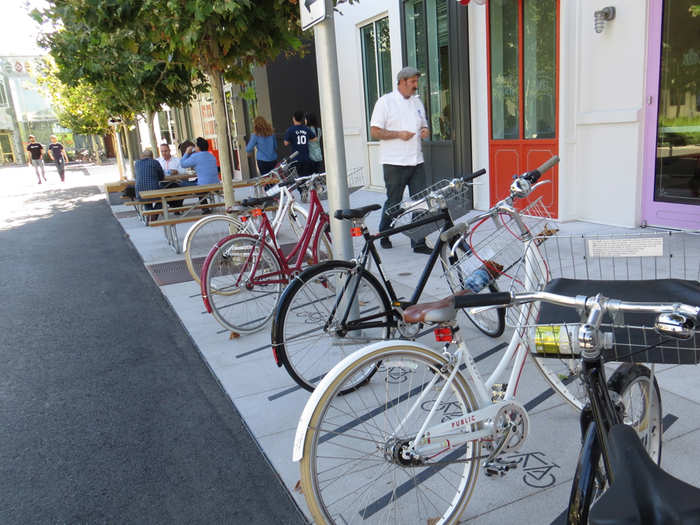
x=672 y=146
x=523 y=80
x=6 y=155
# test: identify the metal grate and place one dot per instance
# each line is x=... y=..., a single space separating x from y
x=172 y=272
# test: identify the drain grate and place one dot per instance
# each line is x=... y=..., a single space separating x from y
x=172 y=272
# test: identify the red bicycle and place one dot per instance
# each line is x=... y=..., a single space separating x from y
x=244 y=274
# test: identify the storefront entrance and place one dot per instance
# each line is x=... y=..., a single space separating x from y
x=671 y=180
x=6 y=155
x=523 y=45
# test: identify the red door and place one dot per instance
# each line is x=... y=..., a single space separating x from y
x=523 y=44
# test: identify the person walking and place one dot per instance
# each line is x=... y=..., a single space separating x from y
x=298 y=137
x=263 y=138
x=399 y=123
x=58 y=154
x=315 y=151
x=36 y=152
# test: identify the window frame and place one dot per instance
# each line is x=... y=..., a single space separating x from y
x=378 y=70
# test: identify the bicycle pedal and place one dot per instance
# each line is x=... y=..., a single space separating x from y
x=499 y=468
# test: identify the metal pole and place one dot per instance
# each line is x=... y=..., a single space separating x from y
x=332 y=125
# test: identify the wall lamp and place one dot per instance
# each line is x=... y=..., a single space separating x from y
x=600 y=17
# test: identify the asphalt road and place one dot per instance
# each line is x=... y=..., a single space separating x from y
x=107 y=411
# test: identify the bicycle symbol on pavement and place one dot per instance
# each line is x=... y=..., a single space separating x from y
x=396 y=374
x=448 y=409
x=537 y=468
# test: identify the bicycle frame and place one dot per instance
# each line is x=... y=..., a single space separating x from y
x=292 y=262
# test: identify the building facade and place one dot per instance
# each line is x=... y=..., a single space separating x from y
x=612 y=87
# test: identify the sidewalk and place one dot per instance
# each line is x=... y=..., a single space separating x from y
x=270 y=402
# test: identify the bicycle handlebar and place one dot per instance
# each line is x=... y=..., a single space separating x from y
x=474 y=175
x=534 y=175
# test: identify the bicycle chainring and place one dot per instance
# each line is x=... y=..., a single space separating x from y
x=513 y=417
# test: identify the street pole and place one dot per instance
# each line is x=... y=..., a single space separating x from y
x=120 y=161
x=333 y=139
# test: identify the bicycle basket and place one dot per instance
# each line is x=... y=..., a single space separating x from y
x=458 y=203
x=497 y=244
x=643 y=267
x=356 y=181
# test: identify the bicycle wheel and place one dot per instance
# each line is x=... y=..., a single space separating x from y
x=323 y=250
x=296 y=217
x=564 y=376
x=204 y=234
x=492 y=321
x=241 y=281
x=642 y=402
x=308 y=336
x=353 y=468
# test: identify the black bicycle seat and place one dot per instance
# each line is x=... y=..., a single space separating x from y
x=256 y=202
x=642 y=492
x=356 y=213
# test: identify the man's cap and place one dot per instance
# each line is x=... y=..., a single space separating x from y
x=407 y=72
x=32 y=137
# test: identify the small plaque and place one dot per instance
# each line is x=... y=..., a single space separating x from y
x=626 y=247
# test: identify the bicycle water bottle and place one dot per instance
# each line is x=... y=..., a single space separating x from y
x=556 y=339
x=482 y=276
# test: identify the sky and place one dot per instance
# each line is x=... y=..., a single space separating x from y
x=18 y=32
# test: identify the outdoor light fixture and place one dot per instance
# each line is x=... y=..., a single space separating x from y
x=600 y=17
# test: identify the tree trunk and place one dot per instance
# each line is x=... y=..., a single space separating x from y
x=150 y=116
x=95 y=149
x=116 y=145
x=219 y=107
x=129 y=150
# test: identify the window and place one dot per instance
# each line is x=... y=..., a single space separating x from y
x=427 y=49
x=3 y=94
x=376 y=64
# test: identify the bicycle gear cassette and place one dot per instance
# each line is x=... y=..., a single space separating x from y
x=408 y=330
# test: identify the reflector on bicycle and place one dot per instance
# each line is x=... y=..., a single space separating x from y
x=257 y=212
x=443 y=334
x=356 y=231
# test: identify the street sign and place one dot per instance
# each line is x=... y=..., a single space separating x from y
x=114 y=121
x=312 y=12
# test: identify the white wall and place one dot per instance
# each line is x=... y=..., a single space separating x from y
x=601 y=97
x=358 y=152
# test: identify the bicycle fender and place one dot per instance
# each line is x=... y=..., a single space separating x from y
x=332 y=376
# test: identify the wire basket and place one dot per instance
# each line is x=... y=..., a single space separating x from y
x=640 y=267
x=491 y=252
x=457 y=201
x=356 y=181
x=622 y=343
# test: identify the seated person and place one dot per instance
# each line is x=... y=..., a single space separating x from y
x=147 y=175
x=170 y=164
x=203 y=161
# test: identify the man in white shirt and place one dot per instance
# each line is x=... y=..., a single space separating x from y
x=170 y=164
x=399 y=123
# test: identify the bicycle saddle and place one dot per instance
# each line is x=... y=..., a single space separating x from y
x=642 y=492
x=356 y=213
x=255 y=202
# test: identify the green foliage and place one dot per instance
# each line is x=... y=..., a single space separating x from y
x=77 y=106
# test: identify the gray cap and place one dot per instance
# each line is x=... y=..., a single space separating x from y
x=407 y=72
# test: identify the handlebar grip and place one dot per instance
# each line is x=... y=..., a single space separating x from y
x=470 y=300
x=474 y=175
x=534 y=175
x=457 y=229
x=293 y=155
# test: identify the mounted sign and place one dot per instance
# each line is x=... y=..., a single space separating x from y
x=312 y=12
x=114 y=121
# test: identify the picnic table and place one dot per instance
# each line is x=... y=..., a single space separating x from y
x=212 y=192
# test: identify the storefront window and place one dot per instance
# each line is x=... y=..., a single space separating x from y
x=3 y=94
x=539 y=68
x=505 y=89
x=678 y=132
x=376 y=64
x=427 y=49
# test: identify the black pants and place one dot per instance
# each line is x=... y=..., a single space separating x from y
x=61 y=168
x=396 y=178
x=265 y=166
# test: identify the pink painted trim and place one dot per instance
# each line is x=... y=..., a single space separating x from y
x=684 y=215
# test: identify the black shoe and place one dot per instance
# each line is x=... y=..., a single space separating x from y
x=386 y=243
x=422 y=248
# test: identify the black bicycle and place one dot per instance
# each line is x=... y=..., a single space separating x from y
x=336 y=307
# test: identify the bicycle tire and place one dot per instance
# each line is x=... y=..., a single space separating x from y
x=235 y=302
x=351 y=451
x=491 y=322
x=300 y=341
x=204 y=234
